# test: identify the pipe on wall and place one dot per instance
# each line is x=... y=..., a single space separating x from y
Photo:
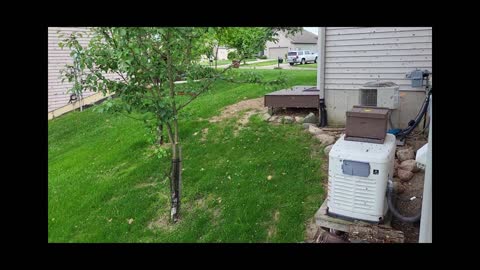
x=321 y=61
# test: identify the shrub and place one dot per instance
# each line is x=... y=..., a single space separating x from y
x=262 y=57
x=232 y=55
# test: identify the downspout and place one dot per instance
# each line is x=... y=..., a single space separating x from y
x=321 y=76
x=426 y=220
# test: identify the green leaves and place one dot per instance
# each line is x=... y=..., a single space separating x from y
x=133 y=63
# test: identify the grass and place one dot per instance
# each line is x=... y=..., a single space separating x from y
x=308 y=65
x=101 y=175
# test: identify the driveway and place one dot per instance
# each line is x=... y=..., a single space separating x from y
x=283 y=66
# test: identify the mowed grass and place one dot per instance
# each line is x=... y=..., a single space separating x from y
x=103 y=185
x=307 y=65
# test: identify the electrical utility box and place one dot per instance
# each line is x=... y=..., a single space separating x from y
x=358 y=174
x=379 y=94
x=367 y=124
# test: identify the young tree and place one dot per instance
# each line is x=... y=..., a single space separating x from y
x=147 y=61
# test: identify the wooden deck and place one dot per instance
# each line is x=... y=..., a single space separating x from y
x=295 y=97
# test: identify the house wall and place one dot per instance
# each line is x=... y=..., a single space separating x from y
x=58 y=95
x=283 y=42
x=356 y=55
x=223 y=53
x=305 y=46
x=57 y=59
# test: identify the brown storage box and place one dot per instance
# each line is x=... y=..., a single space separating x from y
x=367 y=124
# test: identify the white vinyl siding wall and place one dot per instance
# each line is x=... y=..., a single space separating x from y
x=57 y=59
x=356 y=55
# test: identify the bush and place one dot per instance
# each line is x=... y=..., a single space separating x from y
x=262 y=57
x=232 y=55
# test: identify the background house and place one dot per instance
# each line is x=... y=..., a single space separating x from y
x=57 y=59
x=223 y=53
x=58 y=95
x=300 y=41
x=356 y=55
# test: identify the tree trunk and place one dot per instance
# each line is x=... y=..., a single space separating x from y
x=176 y=179
x=160 y=135
x=216 y=56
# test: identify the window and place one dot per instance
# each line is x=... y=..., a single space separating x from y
x=292 y=53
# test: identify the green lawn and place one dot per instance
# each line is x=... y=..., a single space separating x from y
x=308 y=65
x=100 y=175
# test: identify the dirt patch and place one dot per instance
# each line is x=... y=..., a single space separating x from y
x=216 y=215
x=255 y=105
x=311 y=231
x=414 y=187
x=115 y=198
x=144 y=185
x=162 y=223
x=245 y=117
x=204 y=134
x=272 y=229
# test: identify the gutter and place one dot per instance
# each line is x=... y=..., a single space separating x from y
x=322 y=110
x=321 y=62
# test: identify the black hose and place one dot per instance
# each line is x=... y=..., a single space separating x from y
x=395 y=211
x=323 y=114
x=413 y=123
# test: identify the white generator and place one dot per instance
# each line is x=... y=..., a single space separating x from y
x=358 y=173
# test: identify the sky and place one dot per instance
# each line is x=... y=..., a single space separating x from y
x=312 y=29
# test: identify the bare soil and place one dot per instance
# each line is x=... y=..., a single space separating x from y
x=255 y=105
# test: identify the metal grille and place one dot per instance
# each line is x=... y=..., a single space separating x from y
x=368 y=97
x=353 y=195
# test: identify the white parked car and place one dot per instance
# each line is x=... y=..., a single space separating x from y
x=301 y=57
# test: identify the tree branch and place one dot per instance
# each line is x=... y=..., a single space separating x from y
x=205 y=88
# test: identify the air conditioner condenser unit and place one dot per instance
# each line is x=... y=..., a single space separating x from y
x=379 y=94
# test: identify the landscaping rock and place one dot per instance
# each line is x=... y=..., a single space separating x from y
x=405 y=154
x=306 y=125
x=314 y=130
x=299 y=119
x=404 y=175
x=287 y=120
x=396 y=164
x=327 y=149
x=325 y=139
x=273 y=118
x=409 y=165
x=279 y=119
x=398 y=187
x=310 y=118
x=417 y=144
x=266 y=116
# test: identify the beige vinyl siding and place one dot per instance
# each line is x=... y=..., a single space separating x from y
x=57 y=59
x=58 y=95
x=356 y=55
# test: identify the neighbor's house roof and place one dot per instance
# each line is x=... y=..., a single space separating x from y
x=304 y=37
